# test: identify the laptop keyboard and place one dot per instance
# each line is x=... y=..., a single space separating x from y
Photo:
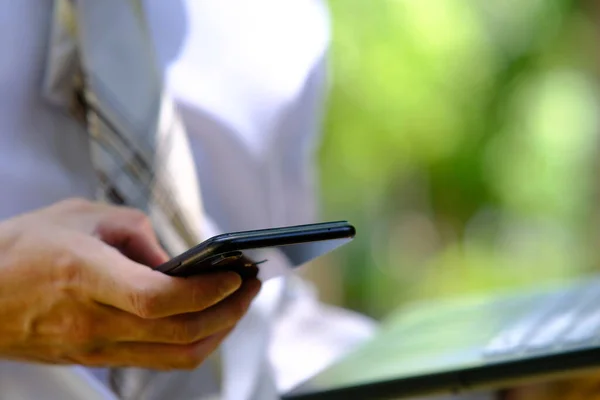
x=557 y=321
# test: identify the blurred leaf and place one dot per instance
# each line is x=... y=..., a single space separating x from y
x=441 y=110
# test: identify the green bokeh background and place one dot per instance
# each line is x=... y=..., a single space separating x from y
x=461 y=140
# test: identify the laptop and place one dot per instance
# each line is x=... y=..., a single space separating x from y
x=470 y=344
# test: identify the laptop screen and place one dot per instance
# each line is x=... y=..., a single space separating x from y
x=424 y=348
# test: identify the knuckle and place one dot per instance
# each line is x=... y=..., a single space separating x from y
x=144 y=301
x=67 y=270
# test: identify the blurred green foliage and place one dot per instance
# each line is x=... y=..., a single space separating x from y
x=461 y=140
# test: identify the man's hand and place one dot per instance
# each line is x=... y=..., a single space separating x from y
x=75 y=288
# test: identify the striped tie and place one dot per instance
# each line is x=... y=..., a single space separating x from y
x=139 y=146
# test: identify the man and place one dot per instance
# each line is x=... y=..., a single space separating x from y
x=247 y=78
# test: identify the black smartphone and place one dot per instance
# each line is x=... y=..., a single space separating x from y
x=244 y=252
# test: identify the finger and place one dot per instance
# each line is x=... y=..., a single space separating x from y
x=131 y=232
x=154 y=356
x=180 y=329
x=121 y=227
x=141 y=291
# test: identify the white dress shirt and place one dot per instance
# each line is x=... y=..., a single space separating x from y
x=248 y=77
